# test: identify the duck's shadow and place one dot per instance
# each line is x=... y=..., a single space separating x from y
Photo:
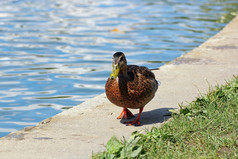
x=151 y=117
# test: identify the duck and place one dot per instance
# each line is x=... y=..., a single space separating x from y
x=130 y=87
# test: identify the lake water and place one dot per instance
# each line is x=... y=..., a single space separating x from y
x=55 y=54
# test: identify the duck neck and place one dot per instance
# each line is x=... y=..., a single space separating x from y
x=123 y=73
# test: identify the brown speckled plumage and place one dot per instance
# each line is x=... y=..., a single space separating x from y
x=134 y=86
x=135 y=92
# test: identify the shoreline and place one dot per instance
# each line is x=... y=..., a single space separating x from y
x=86 y=128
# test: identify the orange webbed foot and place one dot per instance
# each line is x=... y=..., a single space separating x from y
x=137 y=121
x=125 y=114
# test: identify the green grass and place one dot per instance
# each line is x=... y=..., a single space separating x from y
x=205 y=128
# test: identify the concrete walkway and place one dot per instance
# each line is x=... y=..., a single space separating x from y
x=84 y=129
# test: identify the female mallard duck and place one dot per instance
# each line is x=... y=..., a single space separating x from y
x=130 y=86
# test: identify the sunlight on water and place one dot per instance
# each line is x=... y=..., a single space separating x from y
x=57 y=54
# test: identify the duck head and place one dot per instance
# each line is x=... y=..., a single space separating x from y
x=119 y=65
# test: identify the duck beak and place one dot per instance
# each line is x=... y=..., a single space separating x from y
x=115 y=72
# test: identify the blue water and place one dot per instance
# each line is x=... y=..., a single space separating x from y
x=55 y=54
